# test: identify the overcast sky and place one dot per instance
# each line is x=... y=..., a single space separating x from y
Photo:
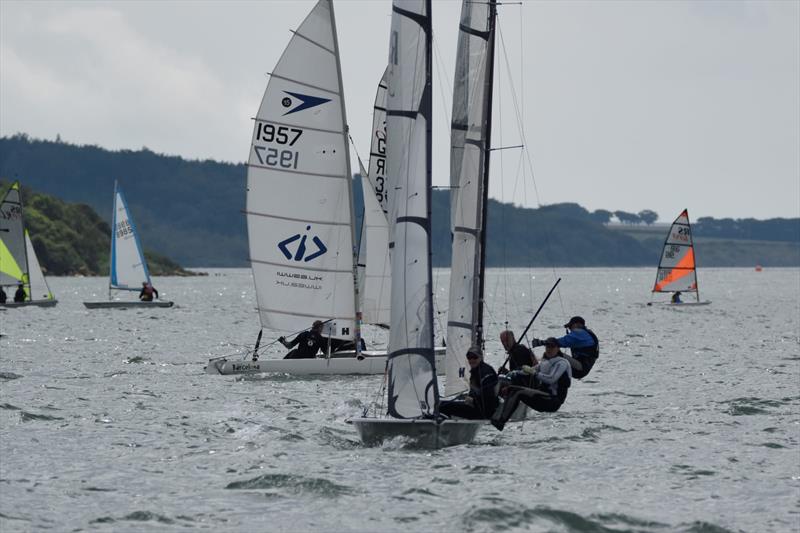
x=624 y=105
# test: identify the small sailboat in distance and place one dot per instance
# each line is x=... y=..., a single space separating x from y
x=127 y=265
x=18 y=261
x=677 y=269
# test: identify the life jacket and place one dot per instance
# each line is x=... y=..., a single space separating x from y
x=592 y=352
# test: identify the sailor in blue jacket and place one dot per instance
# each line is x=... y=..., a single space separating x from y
x=583 y=344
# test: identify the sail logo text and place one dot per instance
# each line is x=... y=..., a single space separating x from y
x=300 y=252
x=123 y=228
x=306 y=102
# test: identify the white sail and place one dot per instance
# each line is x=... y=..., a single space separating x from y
x=299 y=203
x=412 y=387
x=13 y=264
x=469 y=161
x=677 y=268
x=375 y=291
x=39 y=290
x=128 y=266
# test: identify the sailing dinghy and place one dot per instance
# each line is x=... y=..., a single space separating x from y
x=677 y=269
x=18 y=261
x=300 y=220
x=127 y=265
x=413 y=391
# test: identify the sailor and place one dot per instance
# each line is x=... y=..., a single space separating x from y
x=518 y=354
x=147 y=292
x=676 y=297
x=3 y=295
x=583 y=344
x=481 y=400
x=308 y=343
x=19 y=296
x=551 y=380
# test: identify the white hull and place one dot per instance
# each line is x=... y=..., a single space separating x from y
x=682 y=304
x=36 y=303
x=427 y=434
x=126 y=305
x=340 y=363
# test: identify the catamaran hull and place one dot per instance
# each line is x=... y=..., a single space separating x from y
x=427 y=434
x=341 y=363
x=37 y=303
x=126 y=305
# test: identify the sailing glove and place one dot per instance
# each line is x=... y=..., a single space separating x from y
x=537 y=342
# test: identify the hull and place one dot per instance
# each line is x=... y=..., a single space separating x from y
x=37 y=303
x=340 y=363
x=126 y=305
x=427 y=434
x=682 y=304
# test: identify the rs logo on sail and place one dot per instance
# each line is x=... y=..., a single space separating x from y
x=306 y=102
x=300 y=253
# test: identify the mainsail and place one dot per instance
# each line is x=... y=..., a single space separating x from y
x=412 y=387
x=375 y=274
x=299 y=199
x=677 y=270
x=39 y=290
x=128 y=268
x=469 y=181
x=13 y=263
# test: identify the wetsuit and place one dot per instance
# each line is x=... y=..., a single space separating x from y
x=482 y=381
x=308 y=344
x=520 y=355
x=3 y=296
x=585 y=348
x=19 y=296
x=146 y=294
x=551 y=381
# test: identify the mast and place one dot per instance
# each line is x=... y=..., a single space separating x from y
x=479 y=340
x=111 y=254
x=345 y=132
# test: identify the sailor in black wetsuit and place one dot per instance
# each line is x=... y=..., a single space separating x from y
x=583 y=344
x=308 y=343
x=19 y=296
x=551 y=380
x=481 y=400
x=518 y=354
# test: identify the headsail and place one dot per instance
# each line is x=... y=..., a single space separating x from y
x=412 y=386
x=128 y=266
x=469 y=176
x=299 y=203
x=376 y=284
x=677 y=269
x=39 y=290
x=13 y=263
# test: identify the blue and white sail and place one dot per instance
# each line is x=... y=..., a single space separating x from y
x=128 y=268
x=299 y=188
x=412 y=386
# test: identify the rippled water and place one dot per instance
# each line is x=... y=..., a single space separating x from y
x=690 y=420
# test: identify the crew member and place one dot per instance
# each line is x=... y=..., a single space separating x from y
x=518 y=354
x=308 y=343
x=583 y=344
x=147 y=292
x=19 y=296
x=551 y=380
x=3 y=295
x=481 y=400
x=676 y=297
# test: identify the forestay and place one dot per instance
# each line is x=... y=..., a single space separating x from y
x=128 y=266
x=13 y=264
x=469 y=164
x=299 y=204
x=412 y=387
x=39 y=290
x=677 y=269
x=375 y=274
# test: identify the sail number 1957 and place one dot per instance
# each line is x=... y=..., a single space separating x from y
x=279 y=156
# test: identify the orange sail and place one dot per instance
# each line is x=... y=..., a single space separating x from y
x=677 y=270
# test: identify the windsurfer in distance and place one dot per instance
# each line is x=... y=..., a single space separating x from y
x=308 y=343
x=583 y=344
x=147 y=292
x=676 y=297
x=481 y=400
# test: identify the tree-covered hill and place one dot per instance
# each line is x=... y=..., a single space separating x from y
x=192 y=211
x=73 y=239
